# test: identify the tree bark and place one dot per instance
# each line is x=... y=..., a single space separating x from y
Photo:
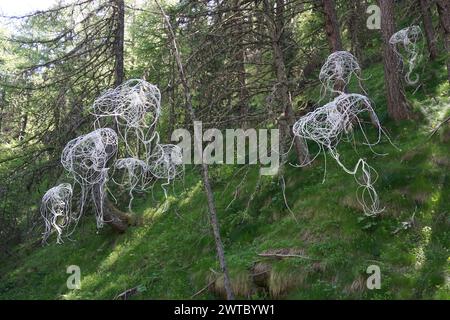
x=355 y=27
x=429 y=30
x=288 y=116
x=240 y=66
x=397 y=107
x=116 y=219
x=113 y=216
x=204 y=167
x=444 y=17
x=332 y=25
x=23 y=126
x=2 y=107
x=119 y=72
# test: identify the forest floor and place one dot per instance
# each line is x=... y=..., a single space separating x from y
x=171 y=254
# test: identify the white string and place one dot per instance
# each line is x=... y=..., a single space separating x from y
x=337 y=72
x=56 y=210
x=405 y=45
x=85 y=158
x=135 y=177
x=136 y=107
x=329 y=125
x=166 y=163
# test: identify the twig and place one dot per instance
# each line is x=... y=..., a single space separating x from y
x=203 y=289
x=130 y=292
x=438 y=127
x=280 y=255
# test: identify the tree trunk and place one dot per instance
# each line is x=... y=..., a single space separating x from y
x=240 y=66
x=2 y=107
x=429 y=30
x=288 y=117
x=444 y=17
x=397 y=107
x=116 y=219
x=23 y=126
x=355 y=27
x=204 y=167
x=119 y=72
x=332 y=25
x=332 y=29
x=113 y=216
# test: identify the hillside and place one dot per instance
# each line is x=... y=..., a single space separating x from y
x=171 y=255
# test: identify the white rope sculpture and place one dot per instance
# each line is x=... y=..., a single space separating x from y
x=166 y=163
x=338 y=70
x=408 y=39
x=135 y=176
x=86 y=158
x=136 y=107
x=56 y=210
x=330 y=124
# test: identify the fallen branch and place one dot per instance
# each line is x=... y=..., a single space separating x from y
x=203 y=289
x=130 y=292
x=438 y=127
x=281 y=255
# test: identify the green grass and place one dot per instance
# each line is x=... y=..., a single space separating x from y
x=172 y=253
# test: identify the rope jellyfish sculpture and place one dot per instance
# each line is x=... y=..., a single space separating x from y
x=406 y=45
x=166 y=163
x=56 y=210
x=327 y=126
x=135 y=177
x=337 y=72
x=86 y=159
x=136 y=107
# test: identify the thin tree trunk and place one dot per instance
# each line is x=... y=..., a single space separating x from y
x=2 y=107
x=115 y=218
x=119 y=72
x=240 y=59
x=332 y=25
x=429 y=30
x=396 y=102
x=444 y=17
x=332 y=29
x=355 y=27
x=172 y=104
x=288 y=117
x=23 y=126
x=204 y=167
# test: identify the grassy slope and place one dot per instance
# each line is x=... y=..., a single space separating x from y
x=172 y=253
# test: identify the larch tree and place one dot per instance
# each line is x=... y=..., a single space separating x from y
x=444 y=18
x=397 y=106
x=332 y=27
x=276 y=25
x=204 y=167
x=425 y=6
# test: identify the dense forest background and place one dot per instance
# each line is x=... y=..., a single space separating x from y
x=225 y=230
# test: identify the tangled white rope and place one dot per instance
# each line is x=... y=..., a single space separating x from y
x=135 y=176
x=86 y=158
x=56 y=210
x=136 y=107
x=328 y=125
x=166 y=162
x=338 y=70
x=408 y=39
